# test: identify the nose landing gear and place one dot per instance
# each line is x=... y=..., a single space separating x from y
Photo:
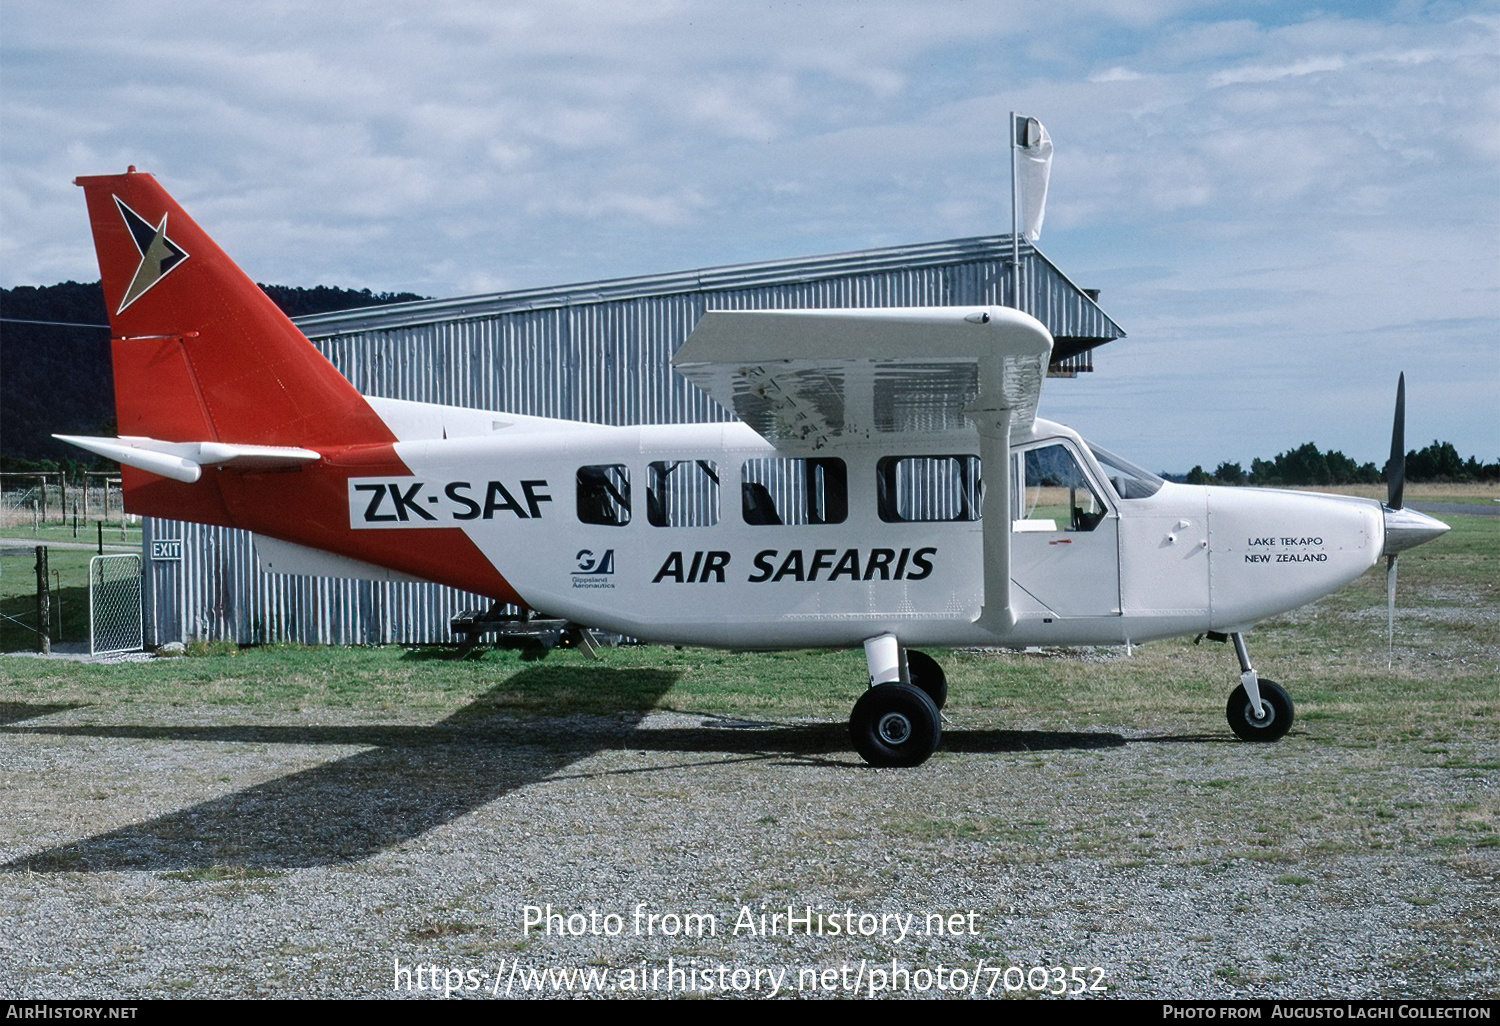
x=1259 y=709
x=1275 y=717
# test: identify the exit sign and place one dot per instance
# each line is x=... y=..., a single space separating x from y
x=169 y=550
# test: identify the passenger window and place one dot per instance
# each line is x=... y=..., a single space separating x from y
x=1055 y=494
x=794 y=492
x=604 y=495
x=928 y=488
x=682 y=493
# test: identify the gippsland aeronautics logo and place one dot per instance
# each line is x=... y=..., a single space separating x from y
x=594 y=572
x=159 y=254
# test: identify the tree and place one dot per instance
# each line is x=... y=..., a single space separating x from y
x=56 y=376
x=1438 y=462
x=1304 y=465
x=1230 y=474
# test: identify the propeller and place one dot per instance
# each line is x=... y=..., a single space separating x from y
x=1390 y=612
x=1395 y=467
x=1395 y=486
x=1404 y=528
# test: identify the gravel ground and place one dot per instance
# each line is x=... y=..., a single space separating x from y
x=153 y=852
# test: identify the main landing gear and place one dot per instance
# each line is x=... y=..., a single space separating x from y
x=896 y=722
x=1259 y=709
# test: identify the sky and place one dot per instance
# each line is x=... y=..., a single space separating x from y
x=1283 y=205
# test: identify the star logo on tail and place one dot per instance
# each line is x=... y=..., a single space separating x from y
x=159 y=254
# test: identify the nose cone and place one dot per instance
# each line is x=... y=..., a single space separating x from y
x=1406 y=529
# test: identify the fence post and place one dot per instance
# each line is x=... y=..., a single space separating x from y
x=43 y=603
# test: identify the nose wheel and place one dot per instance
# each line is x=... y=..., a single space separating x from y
x=1259 y=709
x=1273 y=720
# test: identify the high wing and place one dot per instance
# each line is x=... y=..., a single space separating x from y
x=804 y=379
x=810 y=379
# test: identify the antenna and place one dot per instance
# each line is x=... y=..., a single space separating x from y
x=1015 y=222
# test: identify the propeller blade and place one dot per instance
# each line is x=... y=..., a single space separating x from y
x=1395 y=467
x=1390 y=611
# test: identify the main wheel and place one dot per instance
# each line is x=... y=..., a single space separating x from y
x=1271 y=726
x=895 y=724
x=925 y=673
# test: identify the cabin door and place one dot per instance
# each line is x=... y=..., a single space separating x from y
x=1065 y=539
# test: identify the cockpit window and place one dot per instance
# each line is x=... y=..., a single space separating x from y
x=1128 y=480
x=1054 y=492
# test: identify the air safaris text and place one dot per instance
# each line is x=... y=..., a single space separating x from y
x=803 y=565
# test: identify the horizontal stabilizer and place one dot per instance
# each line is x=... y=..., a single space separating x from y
x=184 y=461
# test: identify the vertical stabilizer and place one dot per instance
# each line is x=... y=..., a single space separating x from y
x=228 y=415
x=200 y=352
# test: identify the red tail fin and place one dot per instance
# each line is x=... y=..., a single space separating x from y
x=200 y=352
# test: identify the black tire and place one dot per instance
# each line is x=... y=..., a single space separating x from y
x=925 y=673
x=895 y=724
x=1277 y=720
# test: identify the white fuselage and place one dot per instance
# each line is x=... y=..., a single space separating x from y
x=672 y=550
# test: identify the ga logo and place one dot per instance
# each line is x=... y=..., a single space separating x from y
x=594 y=571
x=587 y=564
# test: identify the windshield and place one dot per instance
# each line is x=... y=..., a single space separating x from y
x=1128 y=480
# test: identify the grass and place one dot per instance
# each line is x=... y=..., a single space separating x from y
x=216 y=874
x=1331 y=655
x=69 y=618
x=86 y=533
x=1471 y=492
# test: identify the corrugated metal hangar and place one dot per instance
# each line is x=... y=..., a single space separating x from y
x=596 y=352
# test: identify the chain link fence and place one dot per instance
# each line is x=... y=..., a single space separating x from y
x=33 y=500
x=115 y=604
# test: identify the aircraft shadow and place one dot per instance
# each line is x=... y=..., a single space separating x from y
x=415 y=779
x=15 y=712
x=730 y=737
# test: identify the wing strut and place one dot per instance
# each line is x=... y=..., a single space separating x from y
x=992 y=415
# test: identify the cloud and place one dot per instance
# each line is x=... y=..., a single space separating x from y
x=1252 y=186
x=1115 y=74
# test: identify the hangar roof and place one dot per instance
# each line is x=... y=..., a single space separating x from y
x=1072 y=314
